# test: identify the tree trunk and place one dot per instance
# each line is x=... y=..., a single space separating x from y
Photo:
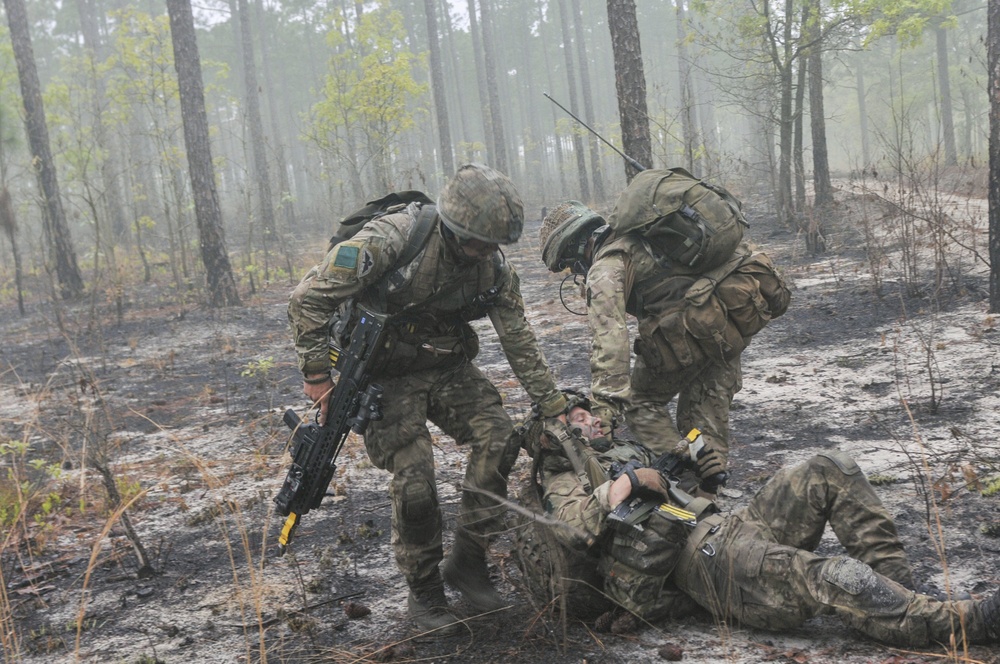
x=484 y=96
x=823 y=188
x=785 y=120
x=57 y=233
x=438 y=91
x=596 y=172
x=221 y=284
x=9 y=224
x=262 y=175
x=630 y=83
x=687 y=102
x=993 y=58
x=798 y=139
x=94 y=47
x=859 y=77
x=490 y=63
x=581 y=161
x=285 y=197
x=944 y=90
x=557 y=142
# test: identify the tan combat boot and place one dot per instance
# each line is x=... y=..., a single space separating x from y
x=465 y=570
x=429 y=608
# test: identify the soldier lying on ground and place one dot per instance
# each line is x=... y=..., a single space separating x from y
x=755 y=566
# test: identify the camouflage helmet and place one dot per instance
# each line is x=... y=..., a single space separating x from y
x=481 y=203
x=564 y=233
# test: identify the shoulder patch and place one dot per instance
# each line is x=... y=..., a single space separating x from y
x=347 y=256
x=365 y=262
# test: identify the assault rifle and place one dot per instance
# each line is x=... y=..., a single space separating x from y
x=352 y=404
x=627 y=515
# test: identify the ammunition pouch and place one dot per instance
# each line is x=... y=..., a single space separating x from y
x=688 y=322
x=427 y=344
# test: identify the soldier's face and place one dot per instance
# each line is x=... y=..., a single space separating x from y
x=477 y=249
x=580 y=420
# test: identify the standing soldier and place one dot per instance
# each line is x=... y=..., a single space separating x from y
x=693 y=324
x=457 y=276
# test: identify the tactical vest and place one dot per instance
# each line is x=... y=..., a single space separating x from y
x=430 y=310
x=687 y=318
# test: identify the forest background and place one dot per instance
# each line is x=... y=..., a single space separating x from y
x=176 y=157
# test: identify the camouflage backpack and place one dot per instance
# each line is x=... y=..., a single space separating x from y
x=388 y=204
x=686 y=222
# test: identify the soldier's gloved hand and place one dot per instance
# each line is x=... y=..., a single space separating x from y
x=553 y=431
x=635 y=481
x=711 y=470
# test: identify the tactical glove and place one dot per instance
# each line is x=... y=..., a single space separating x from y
x=554 y=431
x=648 y=480
x=711 y=470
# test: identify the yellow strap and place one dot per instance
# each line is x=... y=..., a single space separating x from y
x=681 y=514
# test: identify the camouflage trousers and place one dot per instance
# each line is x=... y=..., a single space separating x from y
x=704 y=394
x=467 y=407
x=756 y=567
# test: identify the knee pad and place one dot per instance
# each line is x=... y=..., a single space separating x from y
x=417 y=515
x=843 y=461
x=869 y=592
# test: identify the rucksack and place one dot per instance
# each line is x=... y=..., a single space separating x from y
x=685 y=221
x=388 y=204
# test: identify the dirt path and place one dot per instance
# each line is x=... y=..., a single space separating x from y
x=190 y=401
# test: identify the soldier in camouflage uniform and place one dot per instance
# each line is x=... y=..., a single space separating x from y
x=623 y=278
x=458 y=276
x=756 y=566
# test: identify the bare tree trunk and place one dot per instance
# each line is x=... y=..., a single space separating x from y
x=221 y=284
x=557 y=142
x=449 y=42
x=798 y=139
x=9 y=224
x=630 y=83
x=57 y=233
x=262 y=176
x=687 y=101
x=484 y=96
x=993 y=57
x=944 y=90
x=785 y=203
x=859 y=77
x=490 y=63
x=596 y=172
x=438 y=91
x=581 y=161
x=822 y=186
x=94 y=47
x=285 y=199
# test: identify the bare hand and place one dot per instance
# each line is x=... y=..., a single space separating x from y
x=318 y=392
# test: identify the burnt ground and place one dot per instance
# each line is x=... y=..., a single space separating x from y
x=187 y=404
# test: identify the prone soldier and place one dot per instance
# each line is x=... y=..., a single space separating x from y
x=755 y=566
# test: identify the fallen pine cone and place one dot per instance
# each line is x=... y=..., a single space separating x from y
x=355 y=610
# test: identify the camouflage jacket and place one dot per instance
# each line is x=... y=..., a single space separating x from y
x=364 y=268
x=625 y=280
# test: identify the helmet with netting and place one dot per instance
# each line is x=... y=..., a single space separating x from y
x=481 y=203
x=564 y=234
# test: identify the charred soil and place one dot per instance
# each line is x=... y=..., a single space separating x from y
x=185 y=405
